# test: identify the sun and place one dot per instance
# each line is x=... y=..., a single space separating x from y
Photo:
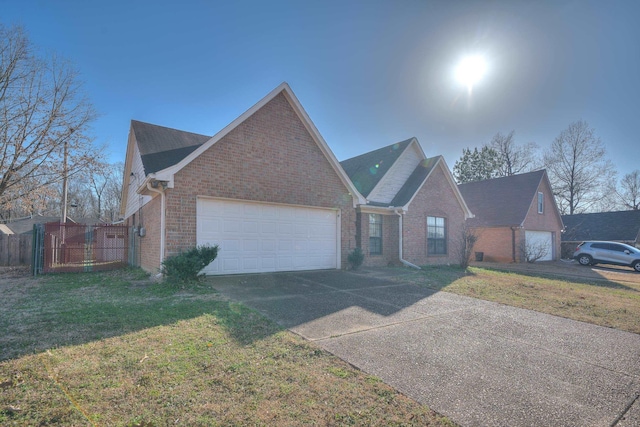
x=470 y=70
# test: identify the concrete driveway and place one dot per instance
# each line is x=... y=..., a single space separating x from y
x=477 y=362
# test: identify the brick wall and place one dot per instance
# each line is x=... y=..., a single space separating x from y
x=549 y=220
x=270 y=157
x=435 y=198
x=148 y=247
x=390 y=236
x=496 y=244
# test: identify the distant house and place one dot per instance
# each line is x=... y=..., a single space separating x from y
x=621 y=226
x=25 y=225
x=516 y=217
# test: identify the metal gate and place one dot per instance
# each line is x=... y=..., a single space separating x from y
x=76 y=247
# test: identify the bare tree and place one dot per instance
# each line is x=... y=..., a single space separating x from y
x=513 y=158
x=113 y=193
x=465 y=243
x=43 y=118
x=579 y=172
x=630 y=190
x=533 y=251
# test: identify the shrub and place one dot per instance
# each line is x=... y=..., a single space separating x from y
x=186 y=266
x=355 y=258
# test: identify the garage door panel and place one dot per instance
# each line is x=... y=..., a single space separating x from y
x=540 y=240
x=258 y=237
x=268 y=227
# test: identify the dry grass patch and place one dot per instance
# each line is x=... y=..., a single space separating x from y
x=148 y=355
x=612 y=303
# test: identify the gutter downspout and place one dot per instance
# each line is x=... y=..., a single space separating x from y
x=405 y=262
x=161 y=192
x=513 y=244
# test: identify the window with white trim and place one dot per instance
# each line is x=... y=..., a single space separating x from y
x=436 y=236
x=375 y=234
x=540 y=203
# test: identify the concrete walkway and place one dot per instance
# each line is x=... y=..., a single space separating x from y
x=477 y=362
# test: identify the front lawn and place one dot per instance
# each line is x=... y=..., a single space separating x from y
x=613 y=301
x=114 y=348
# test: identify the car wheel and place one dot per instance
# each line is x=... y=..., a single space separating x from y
x=636 y=266
x=585 y=259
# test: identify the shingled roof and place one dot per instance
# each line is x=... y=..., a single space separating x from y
x=501 y=202
x=415 y=181
x=366 y=170
x=161 y=147
x=622 y=226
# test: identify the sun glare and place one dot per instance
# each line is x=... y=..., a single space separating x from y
x=470 y=70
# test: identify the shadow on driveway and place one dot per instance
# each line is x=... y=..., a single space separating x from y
x=478 y=362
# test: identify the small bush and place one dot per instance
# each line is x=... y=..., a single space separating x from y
x=186 y=267
x=355 y=258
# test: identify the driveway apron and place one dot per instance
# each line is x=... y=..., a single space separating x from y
x=477 y=362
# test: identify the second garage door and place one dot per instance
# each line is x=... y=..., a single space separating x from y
x=262 y=237
x=540 y=243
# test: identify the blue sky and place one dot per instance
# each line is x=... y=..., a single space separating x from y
x=368 y=73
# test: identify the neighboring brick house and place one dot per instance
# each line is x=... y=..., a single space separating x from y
x=621 y=226
x=413 y=213
x=516 y=217
x=268 y=190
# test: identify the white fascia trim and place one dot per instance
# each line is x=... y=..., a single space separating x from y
x=545 y=177
x=322 y=144
x=383 y=210
x=395 y=166
x=168 y=173
x=128 y=161
x=467 y=212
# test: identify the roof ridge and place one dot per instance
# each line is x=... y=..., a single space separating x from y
x=538 y=171
x=407 y=141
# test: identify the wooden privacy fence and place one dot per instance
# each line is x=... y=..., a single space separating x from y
x=77 y=247
x=15 y=249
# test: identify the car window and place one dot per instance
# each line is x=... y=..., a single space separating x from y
x=600 y=245
x=617 y=248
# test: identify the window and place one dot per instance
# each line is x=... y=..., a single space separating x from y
x=436 y=236
x=540 y=203
x=375 y=234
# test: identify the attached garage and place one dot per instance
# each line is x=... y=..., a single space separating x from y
x=540 y=242
x=258 y=237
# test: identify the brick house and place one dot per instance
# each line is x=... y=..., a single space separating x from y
x=516 y=217
x=413 y=209
x=269 y=191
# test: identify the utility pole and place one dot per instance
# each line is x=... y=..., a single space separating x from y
x=65 y=184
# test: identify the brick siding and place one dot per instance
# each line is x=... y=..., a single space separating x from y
x=435 y=198
x=270 y=157
x=497 y=242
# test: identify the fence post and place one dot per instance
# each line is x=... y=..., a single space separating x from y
x=37 y=249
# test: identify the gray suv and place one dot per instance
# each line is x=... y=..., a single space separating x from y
x=589 y=253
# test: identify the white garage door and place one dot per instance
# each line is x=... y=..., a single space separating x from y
x=262 y=237
x=540 y=243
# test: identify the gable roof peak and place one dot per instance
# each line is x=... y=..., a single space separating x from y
x=503 y=201
x=368 y=169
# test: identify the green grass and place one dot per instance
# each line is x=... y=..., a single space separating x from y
x=116 y=349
